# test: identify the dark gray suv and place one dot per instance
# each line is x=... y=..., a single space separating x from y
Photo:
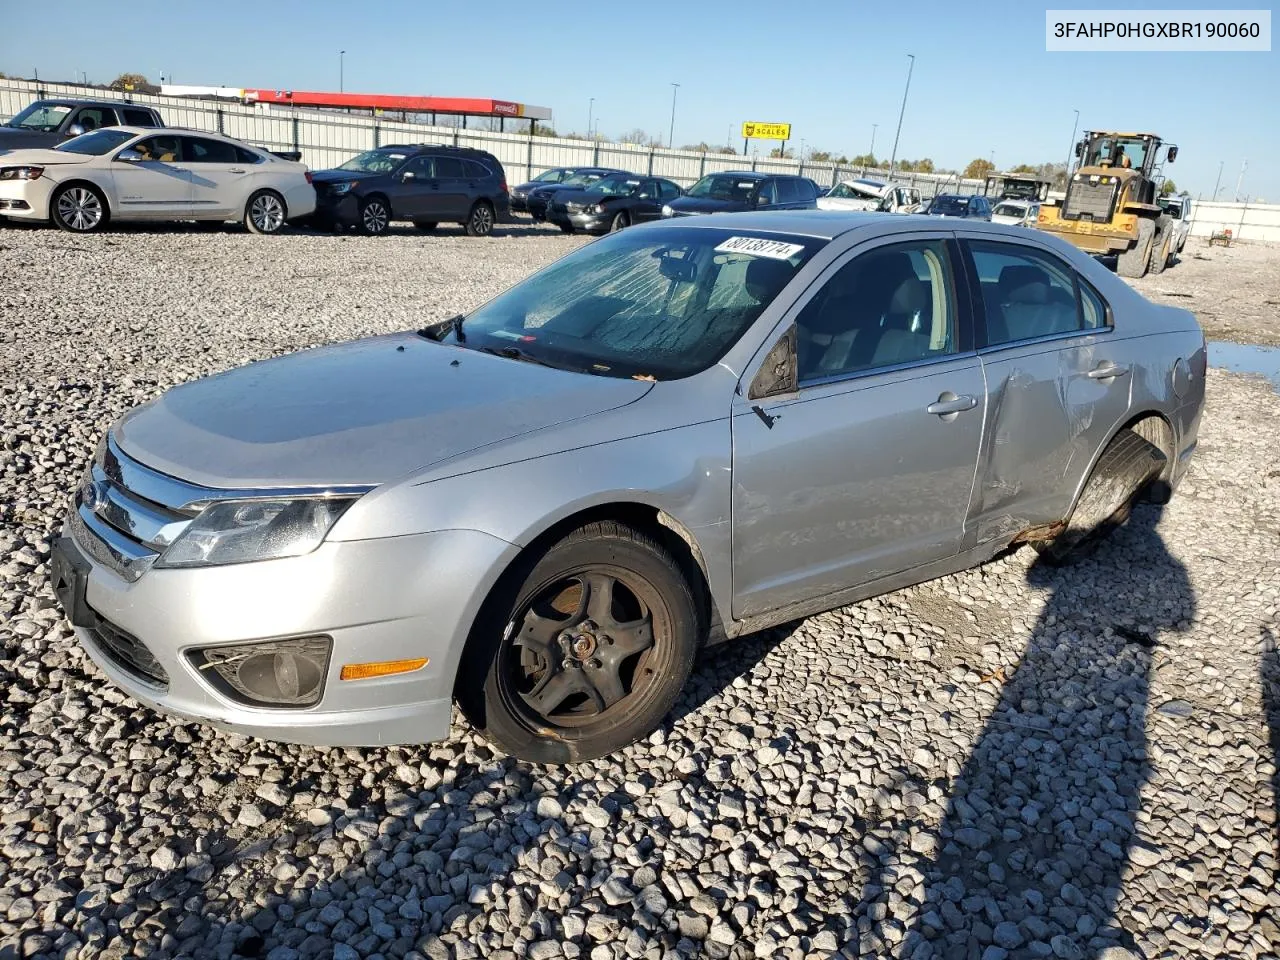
x=46 y=123
x=426 y=185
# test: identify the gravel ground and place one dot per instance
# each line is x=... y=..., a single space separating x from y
x=1011 y=762
x=1233 y=291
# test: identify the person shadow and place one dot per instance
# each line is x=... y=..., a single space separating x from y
x=1041 y=822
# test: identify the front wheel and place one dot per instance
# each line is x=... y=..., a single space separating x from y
x=264 y=213
x=565 y=227
x=582 y=650
x=375 y=217
x=1133 y=263
x=621 y=220
x=79 y=208
x=480 y=222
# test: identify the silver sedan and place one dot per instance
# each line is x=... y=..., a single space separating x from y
x=673 y=436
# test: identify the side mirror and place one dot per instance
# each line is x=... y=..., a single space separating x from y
x=75 y=130
x=777 y=374
x=761 y=200
x=408 y=175
x=1173 y=154
x=129 y=155
x=1079 y=149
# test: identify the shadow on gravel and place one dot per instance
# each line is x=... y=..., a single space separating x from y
x=1269 y=671
x=1040 y=825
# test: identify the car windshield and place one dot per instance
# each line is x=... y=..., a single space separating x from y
x=41 y=115
x=97 y=143
x=1173 y=208
x=582 y=179
x=646 y=304
x=1009 y=210
x=615 y=186
x=854 y=191
x=949 y=206
x=724 y=186
x=1021 y=189
x=374 y=161
x=549 y=176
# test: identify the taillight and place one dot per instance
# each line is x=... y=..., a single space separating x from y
x=307 y=174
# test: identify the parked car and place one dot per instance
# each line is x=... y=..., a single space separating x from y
x=140 y=173
x=736 y=192
x=678 y=434
x=611 y=203
x=1016 y=213
x=520 y=194
x=47 y=123
x=859 y=194
x=539 y=199
x=957 y=205
x=425 y=184
x=1178 y=209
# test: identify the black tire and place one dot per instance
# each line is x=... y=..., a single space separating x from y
x=79 y=208
x=1133 y=263
x=621 y=220
x=375 y=216
x=480 y=220
x=426 y=226
x=1160 y=252
x=265 y=213
x=1122 y=474
x=544 y=680
x=565 y=227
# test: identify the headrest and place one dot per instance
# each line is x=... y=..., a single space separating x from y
x=765 y=277
x=1012 y=277
x=1028 y=293
x=909 y=297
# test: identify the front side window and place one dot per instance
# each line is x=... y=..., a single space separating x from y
x=767 y=195
x=374 y=161
x=422 y=168
x=1025 y=293
x=97 y=143
x=162 y=149
x=891 y=305
x=95 y=118
x=41 y=115
x=649 y=304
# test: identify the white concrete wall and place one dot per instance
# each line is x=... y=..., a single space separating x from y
x=1245 y=221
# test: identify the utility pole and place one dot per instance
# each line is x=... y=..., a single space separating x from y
x=341 y=55
x=894 y=156
x=1240 y=179
x=591 y=107
x=671 y=143
x=872 y=152
x=1219 y=180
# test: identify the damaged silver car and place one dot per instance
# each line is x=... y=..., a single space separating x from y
x=672 y=436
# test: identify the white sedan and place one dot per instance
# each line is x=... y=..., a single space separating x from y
x=1016 y=213
x=139 y=173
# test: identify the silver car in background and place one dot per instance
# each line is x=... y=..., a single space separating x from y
x=674 y=435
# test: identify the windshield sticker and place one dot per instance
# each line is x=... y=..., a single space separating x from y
x=773 y=249
x=508 y=334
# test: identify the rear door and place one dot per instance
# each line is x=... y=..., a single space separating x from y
x=1058 y=382
x=156 y=187
x=455 y=188
x=222 y=176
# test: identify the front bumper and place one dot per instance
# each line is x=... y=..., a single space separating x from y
x=26 y=199
x=387 y=599
x=343 y=209
x=584 y=222
x=519 y=204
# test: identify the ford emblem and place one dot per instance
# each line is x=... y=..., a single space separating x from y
x=93 y=495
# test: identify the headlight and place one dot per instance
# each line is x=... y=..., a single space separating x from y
x=341 y=188
x=666 y=210
x=238 y=531
x=21 y=173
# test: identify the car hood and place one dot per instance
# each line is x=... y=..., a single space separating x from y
x=39 y=156
x=582 y=196
x=14 y=138
x=339 y=176
x=1006 y=219
x=363 y=412
x=708 y=205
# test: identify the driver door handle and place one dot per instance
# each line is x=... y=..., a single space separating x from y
x=236 y=170
x=950 y=403
x=1106 y=371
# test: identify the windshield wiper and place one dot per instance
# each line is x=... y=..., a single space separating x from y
x=515 y=353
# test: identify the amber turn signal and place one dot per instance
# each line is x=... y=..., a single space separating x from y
x=381 y=668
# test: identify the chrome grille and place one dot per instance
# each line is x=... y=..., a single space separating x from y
x=1090 y=201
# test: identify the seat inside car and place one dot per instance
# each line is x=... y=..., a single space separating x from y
x=1031 y=305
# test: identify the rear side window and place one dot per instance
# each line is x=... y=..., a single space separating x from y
x=1094 y=313
x=1026 y=293
x=199 y=150
x=246 y=156
x=788 y=191
x=139 y=118
x=475 y=169
x=448 y=167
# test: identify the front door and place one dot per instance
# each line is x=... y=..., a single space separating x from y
x=414 y=191
x=867 y=468
x=158 y=185
x=1058 y=384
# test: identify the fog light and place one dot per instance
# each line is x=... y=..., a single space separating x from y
x=283 y=673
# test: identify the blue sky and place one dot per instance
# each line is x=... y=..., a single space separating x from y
x=982 y=80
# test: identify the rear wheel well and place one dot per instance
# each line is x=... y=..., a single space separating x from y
x=1156 y=430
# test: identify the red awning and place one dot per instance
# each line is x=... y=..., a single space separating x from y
x=471 y=106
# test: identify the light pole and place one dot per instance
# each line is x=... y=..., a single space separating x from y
x=1071 y=147
x=894 y=156
x=1240 y=179
x=872 y=152
x=1216 y=188
x=341 y=54
x=591 y=107
x=671 y=142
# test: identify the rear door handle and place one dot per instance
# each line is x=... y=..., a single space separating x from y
x=1107 y=371
x=949 y=403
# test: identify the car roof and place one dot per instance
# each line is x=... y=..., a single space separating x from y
x=824 y=224
x=93 y=102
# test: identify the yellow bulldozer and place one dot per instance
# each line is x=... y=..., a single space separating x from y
x=1111 y=204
